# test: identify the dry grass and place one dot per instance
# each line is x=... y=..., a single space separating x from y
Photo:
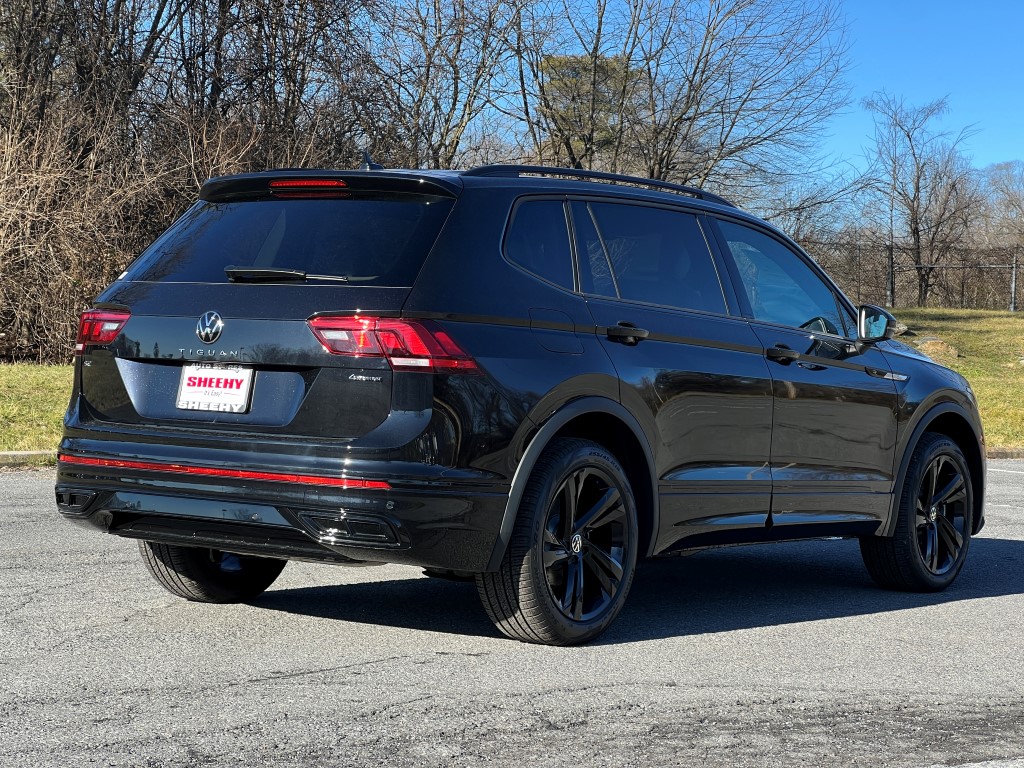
x=987 y=348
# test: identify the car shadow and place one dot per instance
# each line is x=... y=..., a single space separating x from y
x=713 y=591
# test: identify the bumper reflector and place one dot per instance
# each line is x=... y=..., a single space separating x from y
x=244 y=474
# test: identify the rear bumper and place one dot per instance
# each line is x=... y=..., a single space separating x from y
x=436 y=522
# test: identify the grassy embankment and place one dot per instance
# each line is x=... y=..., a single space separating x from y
x=986 y=347
x=32 y=403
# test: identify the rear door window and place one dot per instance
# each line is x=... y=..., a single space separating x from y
x=366 y=240
x=657 y=255
x=538 y=241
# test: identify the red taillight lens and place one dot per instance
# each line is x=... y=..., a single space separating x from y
x=244 y=474
x=408 y=345
x=309 y=188
x=99 y=326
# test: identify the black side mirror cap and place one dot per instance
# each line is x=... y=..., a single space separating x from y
x=874 y=324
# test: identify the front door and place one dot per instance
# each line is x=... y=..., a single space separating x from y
x=834 y=431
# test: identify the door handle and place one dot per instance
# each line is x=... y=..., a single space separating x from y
x=627 y=333
x=811 y=366
x=780 y=353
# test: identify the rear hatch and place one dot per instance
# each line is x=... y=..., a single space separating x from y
x=266 y=309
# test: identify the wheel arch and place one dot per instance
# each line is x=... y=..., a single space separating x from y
x=951 y=420
x=612 y=426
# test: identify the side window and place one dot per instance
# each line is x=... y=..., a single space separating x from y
x=659 y=256
x=538 y=241
x=780 y=286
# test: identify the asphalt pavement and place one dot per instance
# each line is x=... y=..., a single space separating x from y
x=770 y=655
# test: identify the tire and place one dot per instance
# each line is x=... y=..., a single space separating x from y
x=933 y=523
x=209 y=575
x=571 y=559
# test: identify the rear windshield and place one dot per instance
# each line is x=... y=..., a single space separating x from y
x=367 y=240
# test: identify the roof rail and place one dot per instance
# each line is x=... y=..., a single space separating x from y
x=579 y=173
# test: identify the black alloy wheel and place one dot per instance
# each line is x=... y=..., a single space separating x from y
x=570 y=562
x=585 y=539
x=932 y=534
x=941 y=515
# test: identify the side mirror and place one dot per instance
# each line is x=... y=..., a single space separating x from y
x=874 y=324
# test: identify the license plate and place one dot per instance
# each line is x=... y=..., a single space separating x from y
x=221 y=388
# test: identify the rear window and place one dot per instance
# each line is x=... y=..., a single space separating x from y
x=366 y=240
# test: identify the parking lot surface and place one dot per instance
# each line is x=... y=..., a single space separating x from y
x=780 y=655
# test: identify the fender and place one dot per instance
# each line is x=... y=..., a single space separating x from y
x=919 y=429
x=548 y=430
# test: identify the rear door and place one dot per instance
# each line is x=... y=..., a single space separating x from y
x=834 y=433
x=692 y=374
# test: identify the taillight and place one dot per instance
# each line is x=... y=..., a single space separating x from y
x=309 y=188
x=99 y=326
x=408 y=345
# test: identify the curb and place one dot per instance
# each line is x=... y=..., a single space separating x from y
x=27 y=458
x=1004 y=453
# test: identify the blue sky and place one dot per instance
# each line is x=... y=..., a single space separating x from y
x=970 y=52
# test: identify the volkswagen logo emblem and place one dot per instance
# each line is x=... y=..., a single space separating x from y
x=209 y=327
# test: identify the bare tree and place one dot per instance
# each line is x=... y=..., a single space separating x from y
x=73 y=185
x=1004 y=203
x=434 y=63
x=923 y=182
x=247 y=86
x=717 y=92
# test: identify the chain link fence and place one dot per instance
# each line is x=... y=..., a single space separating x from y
x=965 y=278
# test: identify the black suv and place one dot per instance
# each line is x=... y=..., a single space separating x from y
x=527 y=376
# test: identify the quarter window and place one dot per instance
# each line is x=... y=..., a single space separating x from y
x=657 y=255
x=779 y=285
x=538 y=241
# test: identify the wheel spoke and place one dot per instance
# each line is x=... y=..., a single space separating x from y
x=937 y=466
x=949 y=492
x=931 y=557
x=570 y=498
x=924 y=541
x=922 y=513
x=606 y=568
x=555 y=555
x=607 y=508
x=572 y=603
x=950 y=536
x=928 y=484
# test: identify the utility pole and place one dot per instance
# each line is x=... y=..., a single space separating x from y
x=890 y=283
x=1013 y=285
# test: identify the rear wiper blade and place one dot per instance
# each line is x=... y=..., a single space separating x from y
x=263 y=274
x=276 y=275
